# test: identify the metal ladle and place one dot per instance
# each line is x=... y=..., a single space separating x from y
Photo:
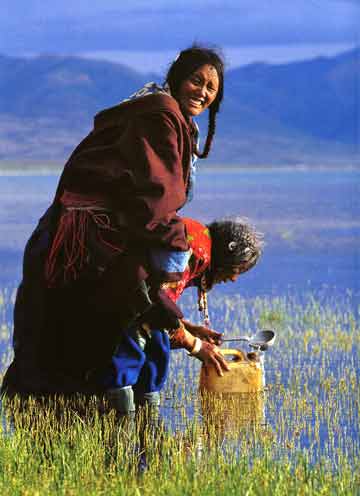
x=260 y=341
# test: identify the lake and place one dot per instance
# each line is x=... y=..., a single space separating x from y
x=310 y=220
x=306 y=287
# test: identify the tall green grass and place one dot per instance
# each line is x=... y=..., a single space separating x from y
x=300 y=436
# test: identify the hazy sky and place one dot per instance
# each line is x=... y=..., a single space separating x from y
x=273 y=30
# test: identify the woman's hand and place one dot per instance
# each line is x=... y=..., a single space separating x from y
x=207 y=352
x=203 y=332
x=211 y=355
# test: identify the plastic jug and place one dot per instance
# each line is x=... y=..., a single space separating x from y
x=245 y=374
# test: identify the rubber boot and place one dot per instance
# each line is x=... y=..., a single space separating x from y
x=150 y=399
x=121 y=399
x=150 y=426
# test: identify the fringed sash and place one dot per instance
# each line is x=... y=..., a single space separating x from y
x=69 y=253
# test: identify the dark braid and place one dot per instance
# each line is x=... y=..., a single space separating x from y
x=210 y=135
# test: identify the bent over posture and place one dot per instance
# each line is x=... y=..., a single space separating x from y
x=220 y=252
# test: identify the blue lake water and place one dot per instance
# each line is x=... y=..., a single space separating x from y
x=311 y=224
x=310 y=220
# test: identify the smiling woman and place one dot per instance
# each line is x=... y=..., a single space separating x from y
x=199 y=91
x=95 y=265
x=196 y=80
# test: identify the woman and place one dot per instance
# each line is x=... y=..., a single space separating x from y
x=219 y=253
x=96 y=260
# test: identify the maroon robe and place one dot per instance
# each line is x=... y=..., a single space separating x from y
x=136 y=163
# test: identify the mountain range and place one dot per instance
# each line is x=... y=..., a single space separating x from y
x=300 y=113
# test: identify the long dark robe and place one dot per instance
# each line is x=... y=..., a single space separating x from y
x=137 y=161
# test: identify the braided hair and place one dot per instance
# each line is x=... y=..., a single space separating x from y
x=187 y=63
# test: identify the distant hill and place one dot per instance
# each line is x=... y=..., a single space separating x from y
x=291 y=114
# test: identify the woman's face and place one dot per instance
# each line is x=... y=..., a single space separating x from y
x=199 y=90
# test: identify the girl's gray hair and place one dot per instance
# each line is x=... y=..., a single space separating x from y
x=234 y=241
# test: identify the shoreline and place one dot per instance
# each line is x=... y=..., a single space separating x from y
x=7 y=169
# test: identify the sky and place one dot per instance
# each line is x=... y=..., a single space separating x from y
x=146 y=33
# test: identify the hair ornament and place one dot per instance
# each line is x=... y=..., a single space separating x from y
x=232 y=245
x=178 y=55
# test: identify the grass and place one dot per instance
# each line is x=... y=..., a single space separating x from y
x=301 y=436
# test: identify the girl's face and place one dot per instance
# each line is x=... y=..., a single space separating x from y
x=232 y=272
x=199 y=90
x=228 y=274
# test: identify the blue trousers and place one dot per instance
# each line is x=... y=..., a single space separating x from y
x=140 y=363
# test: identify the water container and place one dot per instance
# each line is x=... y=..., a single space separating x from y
x=245 y=374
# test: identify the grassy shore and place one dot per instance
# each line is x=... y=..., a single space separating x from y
x=31 y=167
x=55 y=167
x=300 y=436
x=98 y=455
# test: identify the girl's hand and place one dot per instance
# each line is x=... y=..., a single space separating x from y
x=211 y=355
x=203 y=332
